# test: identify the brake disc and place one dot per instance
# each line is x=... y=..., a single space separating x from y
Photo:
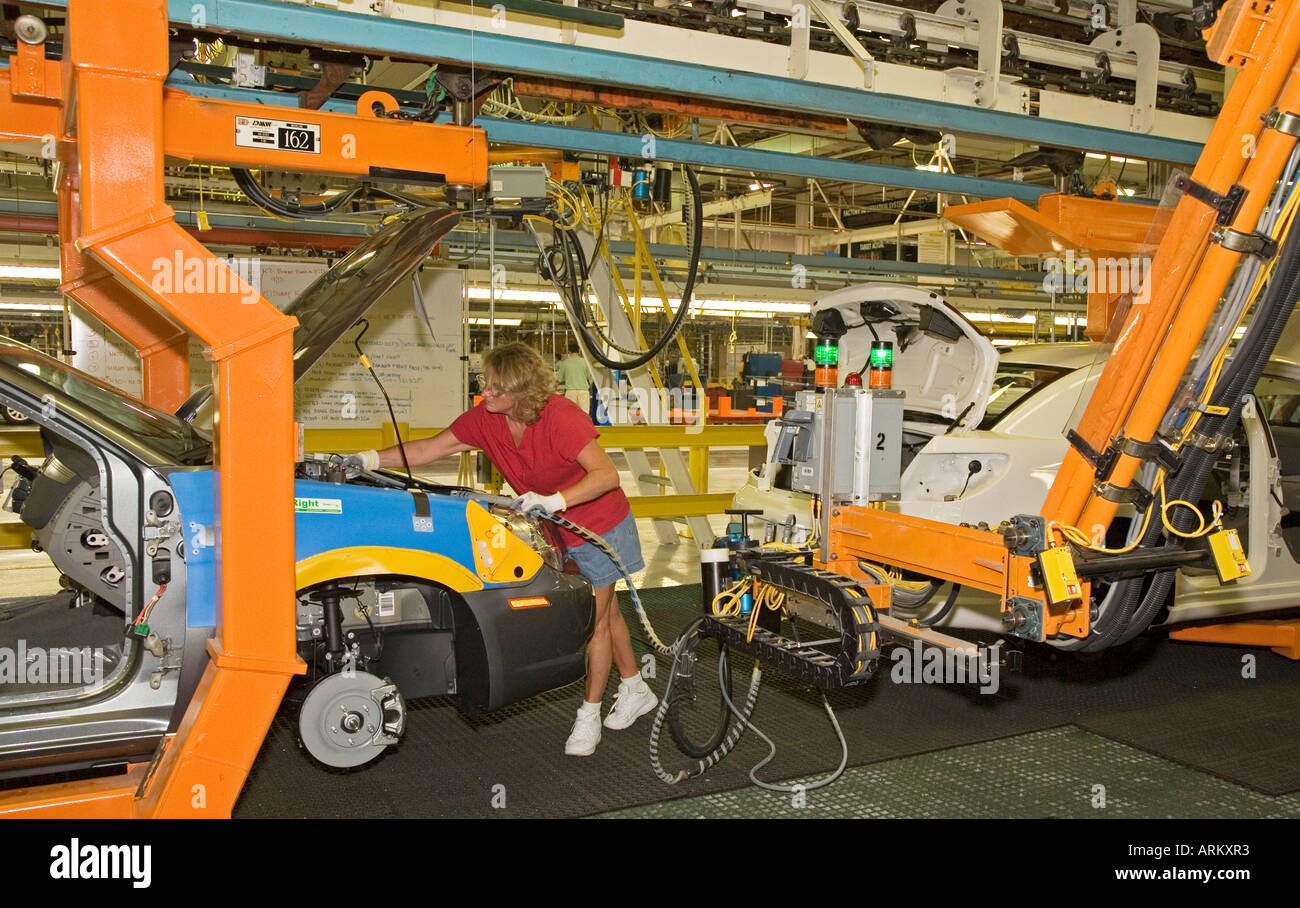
x=348 y=719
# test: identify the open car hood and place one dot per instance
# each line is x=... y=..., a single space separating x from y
x=941 y=361
x=334 y=302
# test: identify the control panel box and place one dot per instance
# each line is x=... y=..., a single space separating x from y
x=864 y=438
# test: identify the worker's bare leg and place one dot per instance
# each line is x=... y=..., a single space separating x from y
x=610 y=643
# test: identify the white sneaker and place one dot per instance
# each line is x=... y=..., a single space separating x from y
x=630 y=704
x=584 y=737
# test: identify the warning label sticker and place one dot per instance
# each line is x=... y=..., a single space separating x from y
x=282 y=135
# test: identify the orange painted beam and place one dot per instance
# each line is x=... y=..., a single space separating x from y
x=110 y=798
x=118 y=52
x=1281 y=636
x=222 y=132
x=24 y=119
x=1063 y=222
x=163 y=348
x=971 y=557
x=1188 y=276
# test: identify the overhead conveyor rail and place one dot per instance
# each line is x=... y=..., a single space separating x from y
x=737 y=71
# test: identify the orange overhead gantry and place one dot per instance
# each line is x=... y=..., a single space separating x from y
x=105 y=115
x=1155 y=342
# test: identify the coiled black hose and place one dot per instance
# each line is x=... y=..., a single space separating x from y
x=571 y=287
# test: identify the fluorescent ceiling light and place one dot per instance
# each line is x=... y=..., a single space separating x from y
x=654 y=303
x=1114 y=157
x=516 y=296
x=32 y=272
x=933 y=168
x=502 y=322
x=999 y=317
x=32 y=307
x=754 y=187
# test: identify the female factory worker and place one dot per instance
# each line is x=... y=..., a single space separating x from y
x=545 y=447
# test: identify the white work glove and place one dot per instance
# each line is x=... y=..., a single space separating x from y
x=361 y=462
x=532 y=503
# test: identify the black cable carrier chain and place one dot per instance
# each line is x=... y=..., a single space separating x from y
x=858 y=655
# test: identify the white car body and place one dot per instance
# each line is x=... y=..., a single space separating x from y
x=1019 y=450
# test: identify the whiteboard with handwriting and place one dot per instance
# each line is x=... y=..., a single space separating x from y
x=421 y=371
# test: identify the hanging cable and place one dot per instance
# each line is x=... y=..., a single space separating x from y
x=570 y=285
x=258 y=195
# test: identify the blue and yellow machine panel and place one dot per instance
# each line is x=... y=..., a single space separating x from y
x=354 y=531
x=348 y=531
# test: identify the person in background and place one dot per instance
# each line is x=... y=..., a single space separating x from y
x=575 y=378
x=546 y=448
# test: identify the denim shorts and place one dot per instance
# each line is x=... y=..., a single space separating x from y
x=597 y=567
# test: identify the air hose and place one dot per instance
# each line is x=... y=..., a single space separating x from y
x=683 y=669
x=660 y=647
x=683 y=653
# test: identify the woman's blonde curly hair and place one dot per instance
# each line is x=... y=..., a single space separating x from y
x=520 y=371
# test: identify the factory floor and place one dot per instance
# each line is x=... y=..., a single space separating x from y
x=1171 y=730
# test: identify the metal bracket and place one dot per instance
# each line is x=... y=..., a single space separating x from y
x=1143 y=41
x=832 y=19
x=1287 y=123
x=983 y=20
x=1135 y=494
x=1102 y=462
x=1257 y=244
x=1156 y=450
x=1211 y=443
x=1226 y=205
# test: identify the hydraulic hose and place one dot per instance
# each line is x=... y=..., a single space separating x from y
x=683 y=653
x=1135 y=609
x=264 y=200
x=660 y=647
x=1247 y=366
x=572 y=296
x=684 y=667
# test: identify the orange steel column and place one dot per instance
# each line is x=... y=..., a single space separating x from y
x=1188 y=327
x=118 y=54
x=163 y=348
x=1182 y=266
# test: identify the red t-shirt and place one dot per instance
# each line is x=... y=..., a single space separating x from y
x=545 y=461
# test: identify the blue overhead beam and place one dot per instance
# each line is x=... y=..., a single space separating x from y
x=753 y=159
x=492 y=50
x=594 y=141
x=519 y=242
